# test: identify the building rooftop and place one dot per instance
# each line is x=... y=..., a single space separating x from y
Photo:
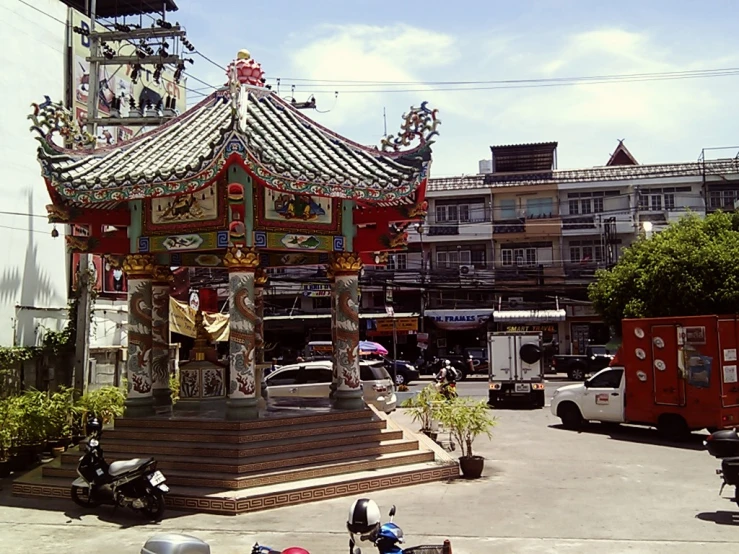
x=511 y=158
x=120 y=8
x=595 y=174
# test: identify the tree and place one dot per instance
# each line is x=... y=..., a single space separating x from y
x=690 y=268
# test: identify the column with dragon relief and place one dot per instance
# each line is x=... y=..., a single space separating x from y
x=260 y=281
x=139 y=269
x=345 y=268
x=160 y=288
x=242 y=265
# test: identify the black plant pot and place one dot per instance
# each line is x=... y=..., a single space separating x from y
x=433 y=435
x=472 y=466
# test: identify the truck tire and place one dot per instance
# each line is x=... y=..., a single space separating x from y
x=570 y=415
x=673 y=427
x=576 y=373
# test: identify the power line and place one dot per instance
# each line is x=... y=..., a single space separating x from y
x=206 y=58
x=43 y=12
x=340 y=82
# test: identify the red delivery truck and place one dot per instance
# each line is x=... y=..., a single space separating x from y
x=678 y=374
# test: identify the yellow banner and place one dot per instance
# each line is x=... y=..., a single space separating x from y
x=182 y=321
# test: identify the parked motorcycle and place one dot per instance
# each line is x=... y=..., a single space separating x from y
x=172 y=543
x=132 y=483
x=724 y=445
x=363 y=525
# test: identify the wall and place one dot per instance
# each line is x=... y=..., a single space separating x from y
x=34 y=270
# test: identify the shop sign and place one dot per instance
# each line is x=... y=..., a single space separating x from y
x=459 y=320
x=401 y=324
x=531 y=328
x=422 y=337
x=316 y=290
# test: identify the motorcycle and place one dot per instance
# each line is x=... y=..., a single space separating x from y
x=173 y=543
x=724 y=445
x=132 y=483
x=388 y=538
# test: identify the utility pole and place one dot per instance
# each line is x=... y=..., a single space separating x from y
x=82 y=324
x=101 y=54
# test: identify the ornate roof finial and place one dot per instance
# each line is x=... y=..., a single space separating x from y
x=245 y=70
x=418 y=123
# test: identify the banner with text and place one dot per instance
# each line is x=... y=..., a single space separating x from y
x=459 y=320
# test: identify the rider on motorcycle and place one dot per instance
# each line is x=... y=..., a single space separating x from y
x=446 y=379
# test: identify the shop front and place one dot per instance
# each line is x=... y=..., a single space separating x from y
x=585 y=327
x=454 y=331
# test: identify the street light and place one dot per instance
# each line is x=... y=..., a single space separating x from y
x=647 y=226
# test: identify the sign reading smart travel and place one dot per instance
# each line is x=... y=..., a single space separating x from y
x=459 y=320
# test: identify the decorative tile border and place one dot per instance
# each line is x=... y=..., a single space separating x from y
x=233 y=506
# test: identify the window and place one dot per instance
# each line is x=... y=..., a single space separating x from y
x=373 y=372
x=453 y=258
x=539 y=207
x=670 y=201
x=397 y=262
x=322 y=303
x=609 y=379
x=643 y=202
x=506 y=257
x=507 y=209
x=586 y=252
x=586 y=206
x=656 y=202
x=597 y=205
x=447 y=213
x=574 y=207
x=729 y=196
x=531 y=256
x=464 y=213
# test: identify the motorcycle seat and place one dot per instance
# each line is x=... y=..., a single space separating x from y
x=125 y=466
x=725 y=434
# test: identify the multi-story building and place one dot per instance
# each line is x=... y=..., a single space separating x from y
x=548 y=232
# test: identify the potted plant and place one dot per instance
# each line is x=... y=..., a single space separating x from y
x=30 y=439
x=423 y=409
x=60 y=410
x=8 y=430
x=466 y=419
x=105 y=403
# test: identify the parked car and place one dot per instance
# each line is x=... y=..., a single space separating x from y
x=579 y=366
x=405 y=373
x=313 y=380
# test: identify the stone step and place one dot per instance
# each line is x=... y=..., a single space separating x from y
x=288 y=418
x=238 y=437
x=225 y=481
x=129 y=448
x=259 y=464
x=266 y=496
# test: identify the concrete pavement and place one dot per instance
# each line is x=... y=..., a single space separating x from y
x=544 y=490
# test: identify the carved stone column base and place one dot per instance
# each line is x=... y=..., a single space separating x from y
x=239 y=409
x=162 y=399
x=347 y=400
x=139 y=407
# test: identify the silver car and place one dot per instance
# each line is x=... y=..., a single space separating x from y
x=313 y=380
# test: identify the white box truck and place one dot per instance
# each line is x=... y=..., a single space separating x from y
x=516 y=369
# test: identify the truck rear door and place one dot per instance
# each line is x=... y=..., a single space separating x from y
x=502 y=357
x=669 y=388
x=728 y=330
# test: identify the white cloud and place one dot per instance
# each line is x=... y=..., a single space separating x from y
x=586 y=119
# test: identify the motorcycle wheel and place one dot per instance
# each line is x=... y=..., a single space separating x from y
x=154 y=505
x=81 y=496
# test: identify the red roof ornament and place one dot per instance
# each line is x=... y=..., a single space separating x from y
x=247 y=70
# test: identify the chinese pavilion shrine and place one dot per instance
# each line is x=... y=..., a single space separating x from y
x=246 y=182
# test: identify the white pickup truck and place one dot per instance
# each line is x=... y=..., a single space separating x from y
x=600 y=398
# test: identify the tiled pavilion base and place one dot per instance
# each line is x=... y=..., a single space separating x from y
x=289 y=456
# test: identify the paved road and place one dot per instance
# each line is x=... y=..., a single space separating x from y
x=477 y=386
x=545 y=490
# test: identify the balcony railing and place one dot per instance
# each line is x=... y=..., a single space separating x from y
x=573 y=222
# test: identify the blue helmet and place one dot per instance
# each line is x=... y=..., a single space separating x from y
x=390 y=531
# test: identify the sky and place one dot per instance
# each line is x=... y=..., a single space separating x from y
x=319 y=47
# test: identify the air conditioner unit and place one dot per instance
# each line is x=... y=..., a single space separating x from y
x=466 y=269
x=515 y=302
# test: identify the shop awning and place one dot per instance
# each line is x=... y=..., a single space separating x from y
x=459 y=320
x=382 y=315
x=529 y=316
